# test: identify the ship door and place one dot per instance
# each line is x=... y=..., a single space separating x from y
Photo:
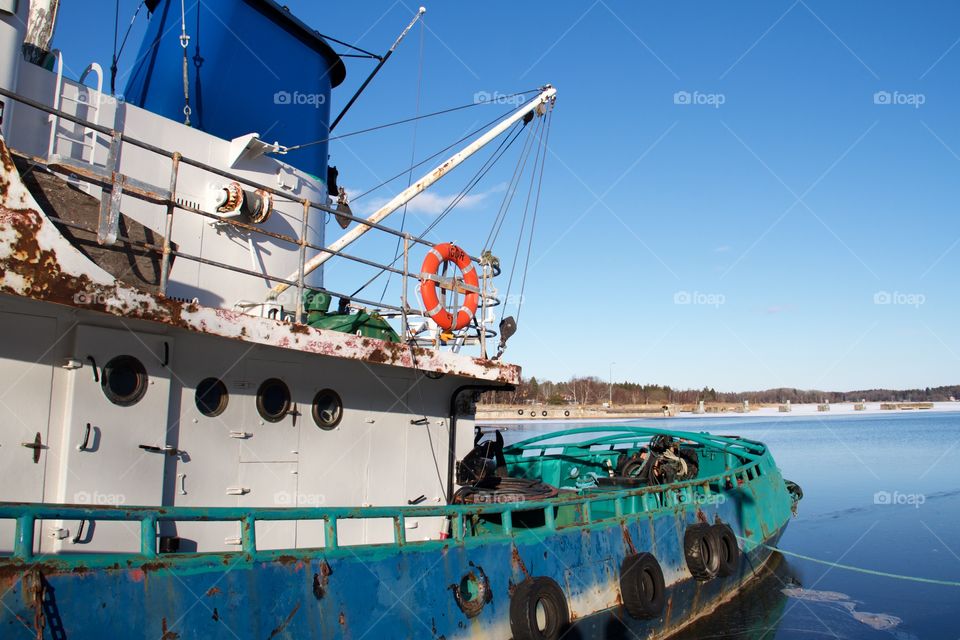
x=115 y=425
x=24 y=411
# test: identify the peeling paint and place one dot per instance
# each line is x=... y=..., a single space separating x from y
x=38 y=262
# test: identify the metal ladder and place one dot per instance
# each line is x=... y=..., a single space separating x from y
x=85 y=137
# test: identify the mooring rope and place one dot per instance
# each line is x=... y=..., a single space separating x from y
x=872 y=572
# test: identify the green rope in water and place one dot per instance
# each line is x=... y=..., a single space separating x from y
x=872 y=572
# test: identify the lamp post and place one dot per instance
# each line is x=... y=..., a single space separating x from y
x=610 y=392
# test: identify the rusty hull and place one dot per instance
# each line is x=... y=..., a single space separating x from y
x=38 y=262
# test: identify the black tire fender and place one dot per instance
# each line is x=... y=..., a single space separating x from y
x=642 y=588
x=701 y=551
x=528 y=597
x=728 y=549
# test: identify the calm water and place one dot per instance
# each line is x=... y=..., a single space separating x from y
x=881 y=491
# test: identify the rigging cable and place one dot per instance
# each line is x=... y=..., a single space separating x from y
x=484 y=169
x=123 y=43
x=404 y=121
x=413 y=156
x=523 y=224
x=536 y=207
x=429 y=158
x=511 y=192
x=185 y=42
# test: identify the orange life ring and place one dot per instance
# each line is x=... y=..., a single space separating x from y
x=439 y=254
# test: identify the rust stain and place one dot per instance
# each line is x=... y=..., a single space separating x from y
x=137 y=575
x=627 y=540
x=321 y=580
x=343 y=619
x=167 y=634
x=212 y=591
x=517 y=561
x=286 y=621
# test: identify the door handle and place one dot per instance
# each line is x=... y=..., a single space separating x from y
x=167 y=449
x=83 y=446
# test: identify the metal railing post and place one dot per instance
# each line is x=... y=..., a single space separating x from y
x=303 y=257
x=168 y=227
x=483 y=310
x=148 y=536
x=406 y=276
x=248 y=534
x=23 y=544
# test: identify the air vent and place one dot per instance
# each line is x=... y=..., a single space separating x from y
x=186 y=202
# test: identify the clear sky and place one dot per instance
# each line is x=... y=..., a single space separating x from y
x=739 y=195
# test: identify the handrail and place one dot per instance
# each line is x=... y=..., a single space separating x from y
x=157 y=195
x=626 y=502
x=220 y=172
x=620 y=433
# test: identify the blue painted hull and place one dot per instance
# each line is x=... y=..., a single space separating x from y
x=373 y=591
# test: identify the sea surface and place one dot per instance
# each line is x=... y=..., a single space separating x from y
x=881 y=492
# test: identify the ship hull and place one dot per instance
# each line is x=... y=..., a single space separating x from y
x=388 y=591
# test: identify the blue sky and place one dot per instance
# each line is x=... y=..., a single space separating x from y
x=740 y=195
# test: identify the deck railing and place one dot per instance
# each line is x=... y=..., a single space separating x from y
x=593 y=509
x=107 y=231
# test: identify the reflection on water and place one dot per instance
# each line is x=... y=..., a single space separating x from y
x=755 y=613
x=881 y=491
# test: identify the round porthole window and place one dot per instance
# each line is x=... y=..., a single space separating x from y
x=211 y=397
x=124 y=381
x=327 y=409
x=273 y=400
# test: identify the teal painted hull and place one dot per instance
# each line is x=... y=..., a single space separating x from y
x=398 y=590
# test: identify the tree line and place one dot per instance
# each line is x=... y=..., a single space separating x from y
x=593 y=390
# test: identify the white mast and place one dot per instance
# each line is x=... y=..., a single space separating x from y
x=419 y=186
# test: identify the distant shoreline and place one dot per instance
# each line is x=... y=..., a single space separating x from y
x=497 y=414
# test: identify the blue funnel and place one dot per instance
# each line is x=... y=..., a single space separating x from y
x=251 y=67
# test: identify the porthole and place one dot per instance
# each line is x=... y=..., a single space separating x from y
x=327 y=409
x=273 y=400
x=124 y=381
x=211 y=397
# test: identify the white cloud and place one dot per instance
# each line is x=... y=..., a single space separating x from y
x=431 y=203
x=722 y=248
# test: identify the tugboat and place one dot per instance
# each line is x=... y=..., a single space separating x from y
x=195 y=444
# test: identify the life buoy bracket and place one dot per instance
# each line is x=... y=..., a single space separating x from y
x=430 y=281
